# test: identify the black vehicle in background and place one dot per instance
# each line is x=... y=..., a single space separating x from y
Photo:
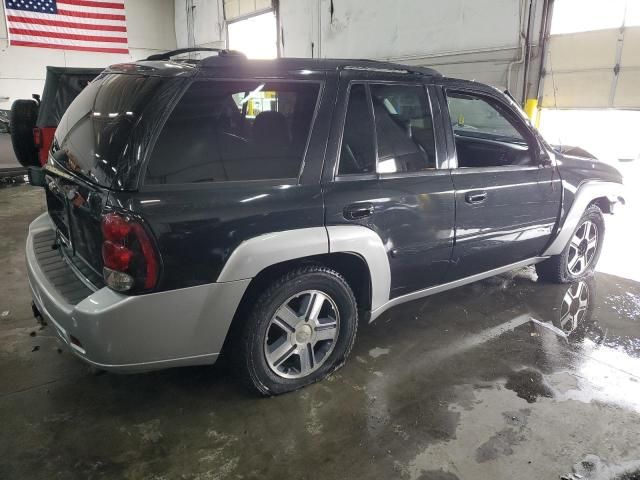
x=34 y=121
x=261 y=207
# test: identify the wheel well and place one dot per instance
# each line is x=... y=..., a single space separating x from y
x=350 y=265
x=602 y=203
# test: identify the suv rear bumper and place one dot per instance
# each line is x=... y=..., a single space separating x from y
x=129 y=333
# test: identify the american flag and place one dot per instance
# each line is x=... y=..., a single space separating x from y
x=85 y=25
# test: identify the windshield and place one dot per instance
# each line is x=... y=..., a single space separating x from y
x=93 y=137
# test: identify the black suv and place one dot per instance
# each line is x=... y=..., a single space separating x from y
x=266 y=206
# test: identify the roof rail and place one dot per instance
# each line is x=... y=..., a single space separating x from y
x=389 y=67
x=179 y=51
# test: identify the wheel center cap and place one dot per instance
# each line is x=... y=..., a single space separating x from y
x=303 y=333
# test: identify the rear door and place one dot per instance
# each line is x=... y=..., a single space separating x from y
x=383 y=172
x=507 y=201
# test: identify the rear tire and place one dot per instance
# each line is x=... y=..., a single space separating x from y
x=300 y=329
x=23 y=117
x=580 y=256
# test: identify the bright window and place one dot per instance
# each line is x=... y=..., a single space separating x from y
x=570 y=16
x=256 y=37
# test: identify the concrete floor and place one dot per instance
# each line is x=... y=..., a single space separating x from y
x=8 y=159
x=476 y=383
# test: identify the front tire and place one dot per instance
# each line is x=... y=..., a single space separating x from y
x=579 y=258
x=301 y=329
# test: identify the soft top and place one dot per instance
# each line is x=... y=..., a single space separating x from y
x=62 y=86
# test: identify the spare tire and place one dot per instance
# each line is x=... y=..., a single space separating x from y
x=22 y=121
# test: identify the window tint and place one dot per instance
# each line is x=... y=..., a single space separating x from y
x=485 y=136
x=404 y=128
x=357 y=155
x=224 y=131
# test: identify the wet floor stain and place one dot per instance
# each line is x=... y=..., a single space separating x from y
x=592 y=467
x=437 y=475
x=377 y=352
x=626 y=304
x=528 y=384
x=503 y=442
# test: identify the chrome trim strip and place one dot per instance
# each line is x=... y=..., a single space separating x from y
x=448 y=286
x=586 y=193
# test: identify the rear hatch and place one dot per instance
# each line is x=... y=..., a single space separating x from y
x=92 y=154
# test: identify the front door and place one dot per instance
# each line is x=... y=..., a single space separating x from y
x=383 y=173
x=507 y=202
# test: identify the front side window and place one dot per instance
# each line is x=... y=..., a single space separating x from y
x=404 y=128
x=485 y=136
x=235 y=130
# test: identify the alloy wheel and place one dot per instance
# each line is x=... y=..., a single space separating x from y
x=301 y=334
x=582 y=248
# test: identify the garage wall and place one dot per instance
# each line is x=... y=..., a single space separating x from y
x=150 y=28
x=473 y=39
x=207 y=18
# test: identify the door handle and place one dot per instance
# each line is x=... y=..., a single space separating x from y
x=475 y=197
x=357 y=211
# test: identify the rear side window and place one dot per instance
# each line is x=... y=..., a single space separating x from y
x=390 y=132
x=235 y=130
x=358 y=153
x=404 y=127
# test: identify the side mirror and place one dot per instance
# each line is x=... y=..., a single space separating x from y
x=36 y=176
x=544 y=160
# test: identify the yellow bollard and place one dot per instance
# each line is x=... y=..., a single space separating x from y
x=531 y=109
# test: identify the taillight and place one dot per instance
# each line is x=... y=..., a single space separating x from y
x=128 y=254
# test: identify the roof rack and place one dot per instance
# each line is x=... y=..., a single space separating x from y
x=173 y=53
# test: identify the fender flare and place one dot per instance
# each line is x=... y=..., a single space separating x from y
x=255 y=254
x=587 y=192
x=365 y=242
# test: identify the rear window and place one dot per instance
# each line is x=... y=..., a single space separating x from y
x=235 y=130
x=93 y=135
